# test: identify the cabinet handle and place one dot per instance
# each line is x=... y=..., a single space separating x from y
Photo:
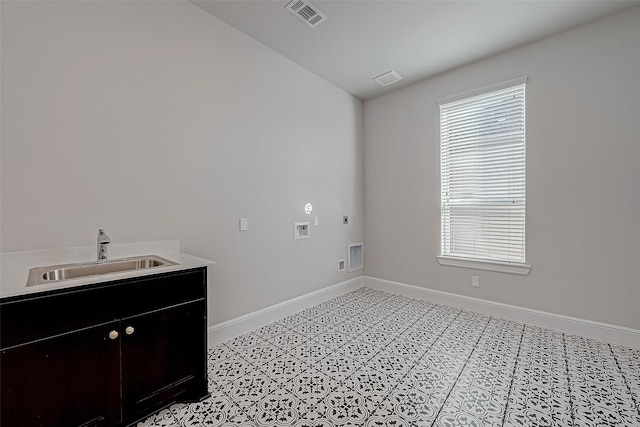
x=129 y=330
x=113 y=335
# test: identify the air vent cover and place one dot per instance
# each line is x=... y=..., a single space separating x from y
x=387 y=78
x=306 y=12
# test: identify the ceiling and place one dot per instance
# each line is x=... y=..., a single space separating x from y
x=418 y=39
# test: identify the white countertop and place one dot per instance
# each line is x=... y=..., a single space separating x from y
x=15 y=266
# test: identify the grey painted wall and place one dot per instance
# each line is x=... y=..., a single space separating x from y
x=583 y=177
x=155 y=120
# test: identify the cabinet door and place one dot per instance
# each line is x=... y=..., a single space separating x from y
x=68 y=380
x=163 y=358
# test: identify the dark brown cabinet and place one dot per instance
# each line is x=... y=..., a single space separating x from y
x=68 y=380
x=108 y=354
x=149 y=380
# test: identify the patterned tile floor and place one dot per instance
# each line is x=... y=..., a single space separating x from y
x=375 y=359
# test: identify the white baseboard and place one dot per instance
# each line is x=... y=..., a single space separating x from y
x=614 y=334
x=224 y=331
x=571 y=325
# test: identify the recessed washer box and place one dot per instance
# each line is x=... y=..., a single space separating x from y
x=301 y=230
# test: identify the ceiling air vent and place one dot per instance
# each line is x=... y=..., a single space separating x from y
x=306 y=12
x=387 y=78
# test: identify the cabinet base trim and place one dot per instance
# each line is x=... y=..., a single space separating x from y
x=175 y=385
x=94 y=422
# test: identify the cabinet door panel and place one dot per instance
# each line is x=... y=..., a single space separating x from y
x=69 y=380
x=163 y=358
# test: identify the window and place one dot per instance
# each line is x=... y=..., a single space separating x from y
x=482 y=172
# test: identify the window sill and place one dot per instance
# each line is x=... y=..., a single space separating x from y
x=501 y=267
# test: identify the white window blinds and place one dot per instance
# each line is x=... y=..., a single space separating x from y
x=482 y=171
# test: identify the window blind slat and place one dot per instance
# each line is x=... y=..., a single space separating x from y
x=482 y=169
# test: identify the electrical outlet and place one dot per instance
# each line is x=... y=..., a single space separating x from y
x=341 y=265
x=475 y=281
x=345 y=220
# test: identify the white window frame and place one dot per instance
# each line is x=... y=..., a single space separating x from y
x=471 y=252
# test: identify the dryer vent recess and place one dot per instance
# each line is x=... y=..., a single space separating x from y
x=356 y=260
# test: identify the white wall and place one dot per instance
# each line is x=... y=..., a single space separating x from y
x=583 y=176
x=155 y=120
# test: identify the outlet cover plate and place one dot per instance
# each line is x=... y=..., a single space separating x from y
x=475 y=281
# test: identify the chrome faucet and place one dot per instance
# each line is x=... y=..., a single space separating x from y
x=103 y=241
